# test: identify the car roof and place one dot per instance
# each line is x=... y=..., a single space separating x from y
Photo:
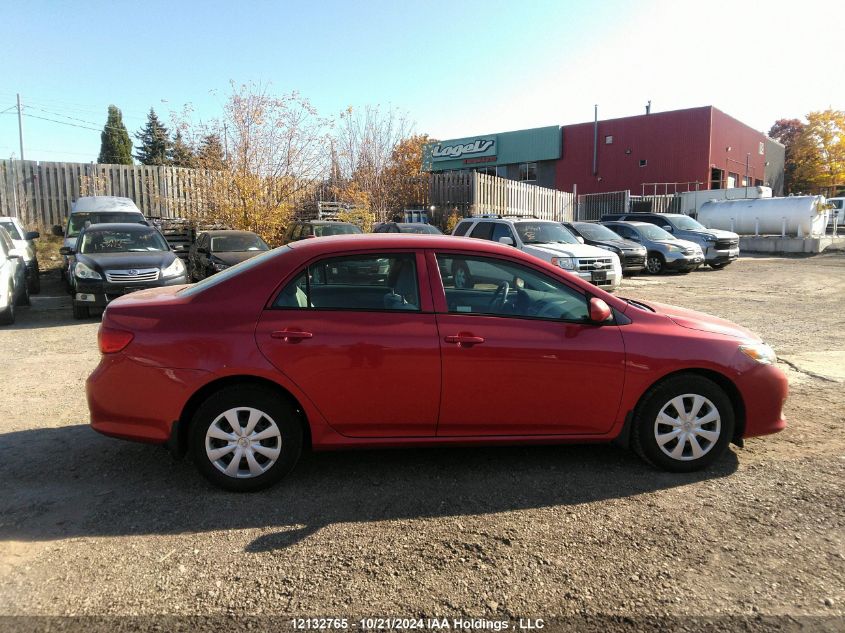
x=325 y=222
x=373 y=241
x=111 y=204
x=222 y=232
x=631 y=222
x=507 y=219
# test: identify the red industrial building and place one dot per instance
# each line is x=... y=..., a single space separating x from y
x=698 y=145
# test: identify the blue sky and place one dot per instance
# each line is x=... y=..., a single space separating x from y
x=456 y=68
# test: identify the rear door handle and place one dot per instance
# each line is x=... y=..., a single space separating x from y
x=464 y=340
x=291 y=336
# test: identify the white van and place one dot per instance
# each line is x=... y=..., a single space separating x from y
x=837 y=212
x=97 y=210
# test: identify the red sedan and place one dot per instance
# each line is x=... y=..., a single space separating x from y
x=367 y=341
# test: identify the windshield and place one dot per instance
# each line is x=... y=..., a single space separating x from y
x=12 y=229
x=655 y=233
x=77 y=221
x=419 y=228
x=324 y=230
x=686 y=223
x=596 y=232
x=544 y=233
x=109 y=241
x=237 y=243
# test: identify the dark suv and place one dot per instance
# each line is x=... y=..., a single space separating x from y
x=720 y=247
x=304 y=229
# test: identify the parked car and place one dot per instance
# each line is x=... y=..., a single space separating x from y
x=304 y=229
x=407 y=227
x=544 y=239
x=214 y=251
x=23 y=241
x=837 y=213
x=264 y=359
x=116 y=259
x=665 y=252
x=13 y=287
x=631 y=255
x=720 y=248
x=95 y=210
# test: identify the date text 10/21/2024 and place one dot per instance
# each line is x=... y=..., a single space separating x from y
x=419 y=624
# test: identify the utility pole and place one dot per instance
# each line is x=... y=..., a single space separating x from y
x=20 y=124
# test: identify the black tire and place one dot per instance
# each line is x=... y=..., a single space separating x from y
x=646 y=426
x=275 y=411
x=23 y=299
x=34 y=281
x=7 y=316
x=718 y=266
x=461 y=276
x=655 y=264
x=80 y=311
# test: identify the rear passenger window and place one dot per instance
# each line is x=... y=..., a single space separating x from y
x=483 y=230
x=371 y=282
x=462 y=228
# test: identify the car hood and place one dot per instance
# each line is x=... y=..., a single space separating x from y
x=544 y=251
x=678 y=243
x=694 y=320
x=624 y=244
x=235 y=257
x=717 y=233
x=126 y=261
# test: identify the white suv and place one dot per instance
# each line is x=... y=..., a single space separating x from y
x=549 y=241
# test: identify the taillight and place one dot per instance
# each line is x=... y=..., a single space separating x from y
x=112 y=340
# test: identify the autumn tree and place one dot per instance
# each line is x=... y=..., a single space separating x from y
x=405 y=181
x=115 y=146
x=154 y=142
x=210 y=154
x=820 y=151
x=787 y=132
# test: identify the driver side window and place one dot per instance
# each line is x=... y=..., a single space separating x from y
x=487 y=286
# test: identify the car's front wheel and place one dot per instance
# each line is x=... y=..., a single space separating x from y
x=34 y=280
x=245 y=438
x=683 y=424
x=655 y=264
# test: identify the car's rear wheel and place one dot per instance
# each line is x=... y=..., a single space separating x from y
x=718 y=266
x=655 y=264
x=23 y=299
x=7 y=315
x=80 y=311
x=245 y=438
x=683 y=424
x=35 y=281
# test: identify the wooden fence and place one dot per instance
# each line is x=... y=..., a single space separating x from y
x=41 y=193
x=493 y=195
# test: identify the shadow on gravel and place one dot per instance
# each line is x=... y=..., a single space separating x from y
x=70 y=482
x=50 y=308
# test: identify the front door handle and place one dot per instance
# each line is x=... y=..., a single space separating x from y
x=291 y=336
x=464 y=340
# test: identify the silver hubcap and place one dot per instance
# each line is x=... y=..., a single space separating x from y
x=653 y=264
x=687 y=427
x=243 y=442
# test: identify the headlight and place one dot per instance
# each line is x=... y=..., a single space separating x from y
x=612 y=249
x=176 y=268
x=709 y=238
x=567 y=263
x=760 y=352
x=84 y=272
x=674 y=249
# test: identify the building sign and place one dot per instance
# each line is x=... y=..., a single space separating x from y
x=473 y=148
x=483 y=159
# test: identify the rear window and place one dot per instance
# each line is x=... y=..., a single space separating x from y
x=232 y=271
x=462 y=228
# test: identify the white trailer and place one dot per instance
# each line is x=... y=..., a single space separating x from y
x=800 y=216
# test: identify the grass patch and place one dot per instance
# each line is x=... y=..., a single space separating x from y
x=47 y=247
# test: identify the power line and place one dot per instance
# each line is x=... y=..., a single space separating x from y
x=35 y=116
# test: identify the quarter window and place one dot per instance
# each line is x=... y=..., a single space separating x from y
x=486 y=286
x=369 y=282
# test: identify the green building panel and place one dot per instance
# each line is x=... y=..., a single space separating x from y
x=505 y=148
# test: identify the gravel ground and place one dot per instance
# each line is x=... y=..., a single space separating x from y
x=95 y=526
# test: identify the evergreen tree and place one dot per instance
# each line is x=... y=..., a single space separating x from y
x=155 y=143
x=181 y=154
x=210 y=153
x=115 y=146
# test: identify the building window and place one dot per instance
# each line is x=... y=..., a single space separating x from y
x=608 y=140
x=761 y=149
x=502 y=171
x=487 y=171
x=528 y=172
x=733 y=179
x=643 y=162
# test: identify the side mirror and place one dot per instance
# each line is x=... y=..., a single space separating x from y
x=32 y=235
x=580 y=239
x=635 y=238
x=58 y=231
x=507 y=241
x=599 y=310
x=667 y=227
x=66 y=250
